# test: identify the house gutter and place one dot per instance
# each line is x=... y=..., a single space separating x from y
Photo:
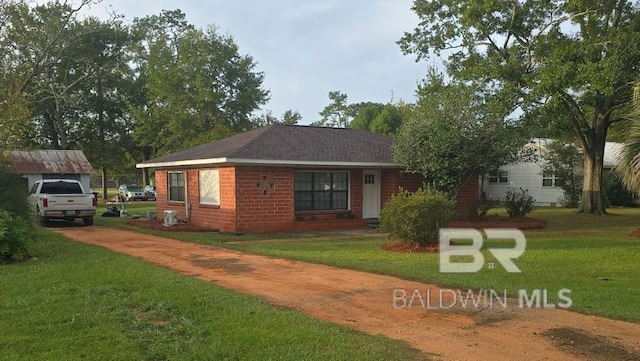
x=240 y=161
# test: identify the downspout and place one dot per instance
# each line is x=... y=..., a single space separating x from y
x=186 y=198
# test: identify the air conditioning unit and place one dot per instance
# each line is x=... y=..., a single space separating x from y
x=170 y=218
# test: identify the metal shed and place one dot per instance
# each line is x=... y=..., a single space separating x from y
x=35 y=165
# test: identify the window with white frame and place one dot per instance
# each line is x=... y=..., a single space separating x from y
x=176 y=186
x=209 y=182
x=550 y=179
x=321 y=191
x=499 y=176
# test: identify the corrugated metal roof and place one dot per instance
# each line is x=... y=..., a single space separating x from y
x=50 y=162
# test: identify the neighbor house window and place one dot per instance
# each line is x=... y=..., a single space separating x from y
x=176 y=186
x=550 y=179
x=210 y=187
x=501 y=176
x=321 y=191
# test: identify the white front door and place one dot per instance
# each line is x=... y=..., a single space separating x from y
x=371 y=194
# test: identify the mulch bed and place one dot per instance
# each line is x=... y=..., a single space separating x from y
x=521 y=223
x=158 y=224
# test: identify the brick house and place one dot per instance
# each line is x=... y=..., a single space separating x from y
x=281 y=178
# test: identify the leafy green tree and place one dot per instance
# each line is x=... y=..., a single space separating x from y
x=628 y=168
x=576 y=59
x=193 y=85
x=34 y=43
x=289 y=117
x=104 y=108
x=455 y=132
x=338 y=114
x=378 y=118
x=565 y=161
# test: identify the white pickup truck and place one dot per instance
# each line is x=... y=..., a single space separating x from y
x=63 y=199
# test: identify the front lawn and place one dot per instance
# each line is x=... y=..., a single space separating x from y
x=593 y=256
x=79 y=302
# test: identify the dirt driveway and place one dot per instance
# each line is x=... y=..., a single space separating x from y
x=364 y=301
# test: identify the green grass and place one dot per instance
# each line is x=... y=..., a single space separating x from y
x=572 y=252
x=84 y=302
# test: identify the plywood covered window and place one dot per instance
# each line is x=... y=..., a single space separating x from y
x=209 y=180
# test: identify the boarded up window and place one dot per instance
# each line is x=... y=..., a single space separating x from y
x=210 y=187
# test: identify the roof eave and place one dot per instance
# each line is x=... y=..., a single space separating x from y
x=273 y=162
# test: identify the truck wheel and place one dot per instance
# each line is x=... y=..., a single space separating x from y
x=87 y=221
x=44 y=221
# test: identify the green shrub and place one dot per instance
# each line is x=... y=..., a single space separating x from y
x=416 y=217
x=15 y=234
x=485 y=204
x=518 y=202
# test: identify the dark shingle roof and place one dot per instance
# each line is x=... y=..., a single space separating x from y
x=292 y=143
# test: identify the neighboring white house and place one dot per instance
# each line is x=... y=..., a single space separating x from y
x=35 y=165
x=542 y=185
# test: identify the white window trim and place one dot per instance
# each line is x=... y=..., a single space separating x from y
x=553 y=178
x=349 y=190
x=497 y=176
x=184 y=181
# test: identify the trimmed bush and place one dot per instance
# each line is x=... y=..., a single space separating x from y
x=518 y=202
x=416 y=217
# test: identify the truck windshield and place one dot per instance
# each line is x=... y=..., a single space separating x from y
x=61 y=188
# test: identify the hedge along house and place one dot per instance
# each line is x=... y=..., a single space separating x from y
x=36 y=165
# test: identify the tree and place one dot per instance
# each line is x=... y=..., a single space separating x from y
x=104 y=115
x=337 y=114
x=628 y=168
x=194 y=86
x=378 y=118
x=289 y=117
x=33 y=45
x=455 y=132
x=565 y=161
x=576 y=58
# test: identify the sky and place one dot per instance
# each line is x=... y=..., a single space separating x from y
x=307 y=48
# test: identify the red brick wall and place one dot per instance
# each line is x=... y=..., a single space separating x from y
x=264 y=199
x=215 y=217
x=393 y=179
x=467 y=199
x=260 y=199
x=221 y=217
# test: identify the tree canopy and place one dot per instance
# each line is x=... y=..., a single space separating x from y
x=138 y=90
x=453 y=133
x=571 y=60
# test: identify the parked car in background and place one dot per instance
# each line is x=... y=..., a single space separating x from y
x=150 y=190
x=128 y=193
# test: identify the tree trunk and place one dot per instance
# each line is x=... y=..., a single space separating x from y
x=145 y=177
x=105 y=195
x=592 y=197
